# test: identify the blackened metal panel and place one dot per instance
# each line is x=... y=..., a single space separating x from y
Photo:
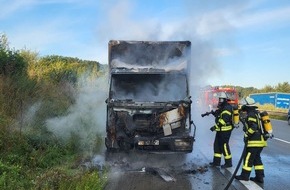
x=168 y=55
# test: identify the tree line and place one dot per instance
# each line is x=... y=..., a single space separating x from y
x=283 y=87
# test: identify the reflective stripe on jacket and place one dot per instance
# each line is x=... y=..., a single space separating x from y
x=253 y=130
x=224 y=119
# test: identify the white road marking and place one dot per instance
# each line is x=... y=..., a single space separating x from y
x=248 y=184
x=281 y=140
x=251 y=185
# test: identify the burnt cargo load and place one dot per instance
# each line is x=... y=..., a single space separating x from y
x=149 y=105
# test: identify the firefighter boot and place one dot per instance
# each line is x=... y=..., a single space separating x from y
x=241 y=177
x=257 y=179
x=216 y=162
x=228 y=163
x=259 y=176
x=244 y=175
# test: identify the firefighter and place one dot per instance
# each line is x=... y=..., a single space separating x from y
x=254 y=142
x=223 y=127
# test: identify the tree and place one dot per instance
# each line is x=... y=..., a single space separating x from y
x=15 y=86
x=11 y=62
x=266 y=89
x=283 y=87
x=31 y=58
x=4 y=42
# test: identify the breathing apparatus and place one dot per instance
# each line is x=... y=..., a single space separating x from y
x=235 y=110
x=266 y=126
x=267 y=129
x=242 y=119
x=236 y=116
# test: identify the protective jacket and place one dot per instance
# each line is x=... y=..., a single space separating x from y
x=253 y=133
x=223 y=118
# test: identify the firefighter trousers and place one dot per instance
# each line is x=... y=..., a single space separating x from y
x=253 y=158
x=221 y=147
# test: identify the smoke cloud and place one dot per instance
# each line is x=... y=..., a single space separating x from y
x=200 y=30
x=87 y=116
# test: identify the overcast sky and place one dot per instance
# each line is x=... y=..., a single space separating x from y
x=242 y=43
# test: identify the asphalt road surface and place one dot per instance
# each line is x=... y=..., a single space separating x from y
x=140 y=171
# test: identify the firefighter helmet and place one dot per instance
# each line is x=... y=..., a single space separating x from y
x=223 y=95
x=222 y=98
x=248 y=101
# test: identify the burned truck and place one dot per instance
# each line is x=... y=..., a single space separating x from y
x=148 y=104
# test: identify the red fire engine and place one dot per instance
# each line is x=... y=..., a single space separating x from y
x=210 y=96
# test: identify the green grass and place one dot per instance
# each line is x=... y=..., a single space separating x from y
x=274 y=113
x=279 y=117
x=63 y=179
x=31 y=161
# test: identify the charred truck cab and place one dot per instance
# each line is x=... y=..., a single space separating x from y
x=149 y=106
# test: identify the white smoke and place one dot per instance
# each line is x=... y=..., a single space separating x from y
x=87 y=116
x=200 y=29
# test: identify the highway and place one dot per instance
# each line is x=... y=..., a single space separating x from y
x=276 y=156
x=133 y=170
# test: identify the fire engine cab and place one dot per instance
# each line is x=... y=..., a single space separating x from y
x=210 y=96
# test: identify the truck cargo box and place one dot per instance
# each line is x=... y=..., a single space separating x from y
x=149 y=106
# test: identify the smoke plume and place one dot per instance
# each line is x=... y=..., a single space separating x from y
x=86 y=117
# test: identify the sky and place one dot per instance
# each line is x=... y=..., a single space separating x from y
x=241 y=43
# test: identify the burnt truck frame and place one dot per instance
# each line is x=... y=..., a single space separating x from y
x=148 y=104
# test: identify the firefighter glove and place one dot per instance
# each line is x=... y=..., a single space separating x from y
x=267 y=136
x=212 y=128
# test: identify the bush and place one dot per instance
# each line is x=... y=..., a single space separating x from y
x=12 y=177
